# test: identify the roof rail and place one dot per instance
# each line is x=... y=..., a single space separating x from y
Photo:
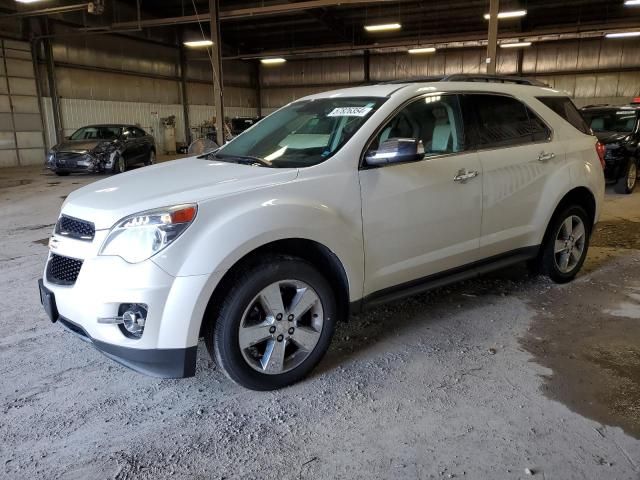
x=463 y=77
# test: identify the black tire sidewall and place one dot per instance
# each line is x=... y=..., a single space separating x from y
x=116 y=164
x=226 y=333
x=621 y=184
x=549 y=266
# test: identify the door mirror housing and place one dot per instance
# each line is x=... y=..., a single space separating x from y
x=396 y=150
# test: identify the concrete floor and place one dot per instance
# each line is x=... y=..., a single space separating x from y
x=482 y=380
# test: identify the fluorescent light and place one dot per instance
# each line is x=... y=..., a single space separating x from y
x=513 y=14
x=632 y=3
x=198 y=43
x=272 y=61
x=383 y=27
x=422 y=50
x=27 y=1
x=515 y=45
x=623 y=35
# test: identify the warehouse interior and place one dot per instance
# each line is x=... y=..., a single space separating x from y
x=507 y=376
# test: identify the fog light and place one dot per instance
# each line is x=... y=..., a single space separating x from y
x=134 y=316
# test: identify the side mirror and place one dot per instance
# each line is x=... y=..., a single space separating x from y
x=396 y=150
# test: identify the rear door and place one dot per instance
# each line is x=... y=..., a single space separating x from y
x=423 y=217
x=517 y=155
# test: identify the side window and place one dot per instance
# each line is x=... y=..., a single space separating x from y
x=504 y=121
x=138 y=133
x=435 y=120
x=564 y=107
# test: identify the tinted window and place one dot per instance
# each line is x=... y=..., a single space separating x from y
x=96 y=133
x=611 y=120
x=138 y=132
x=436 y=120
x=564 y=107
x=503 y=121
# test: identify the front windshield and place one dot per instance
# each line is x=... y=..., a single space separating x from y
x=96 y=133
x=620 y=121
x=301 y=134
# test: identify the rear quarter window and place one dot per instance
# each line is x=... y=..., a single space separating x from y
x=564 y=107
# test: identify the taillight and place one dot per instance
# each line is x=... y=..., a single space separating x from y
x=601 y=150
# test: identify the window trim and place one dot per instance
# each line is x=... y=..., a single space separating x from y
x=362 y=165
x=467 y=147
x=477 y=148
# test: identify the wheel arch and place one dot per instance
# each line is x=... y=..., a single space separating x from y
x=581 y=196
x=320 y=256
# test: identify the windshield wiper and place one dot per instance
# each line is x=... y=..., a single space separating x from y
x=242 y=159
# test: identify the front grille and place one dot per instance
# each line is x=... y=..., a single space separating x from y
x=75 y=228
x=63 y=270
x=68 y=159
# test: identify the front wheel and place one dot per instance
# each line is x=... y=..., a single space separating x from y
x=151 y=159
x=274 y=325
x=627 y=183
x=119 y=164
x=566 y=244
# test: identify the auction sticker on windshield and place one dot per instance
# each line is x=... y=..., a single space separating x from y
x=349 y=112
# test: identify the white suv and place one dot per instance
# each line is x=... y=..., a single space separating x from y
x=334 y=202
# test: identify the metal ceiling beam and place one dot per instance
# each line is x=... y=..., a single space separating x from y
x=467 y=40
x=240 y=13
x=48 y=11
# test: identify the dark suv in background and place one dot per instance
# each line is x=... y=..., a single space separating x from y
x=617 y=129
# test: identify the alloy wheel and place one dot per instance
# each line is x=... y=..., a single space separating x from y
x=632 y=176
x=281 y=327
x=569 y=244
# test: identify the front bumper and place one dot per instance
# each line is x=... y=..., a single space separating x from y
x=158 y=362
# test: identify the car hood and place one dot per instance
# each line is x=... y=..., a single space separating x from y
x=611 y=137
x=78 y=145
x=190 y=180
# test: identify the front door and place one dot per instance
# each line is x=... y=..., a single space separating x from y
x=423 y=217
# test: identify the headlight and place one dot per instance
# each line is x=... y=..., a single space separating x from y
x=140 y=236
x=51 y=156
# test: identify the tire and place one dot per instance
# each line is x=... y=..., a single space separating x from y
x=119 y=164
x=244 y=308
x=151 y=159
x=62 y=174
x=627 y=183
x=563 y=253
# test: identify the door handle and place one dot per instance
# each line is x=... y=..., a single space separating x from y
x=463 y=175
x=545 y=157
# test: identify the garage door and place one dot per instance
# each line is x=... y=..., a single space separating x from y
x=21 y=139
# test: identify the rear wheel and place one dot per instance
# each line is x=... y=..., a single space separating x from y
x=627 y=183
x=566 y=244
x=274 y=325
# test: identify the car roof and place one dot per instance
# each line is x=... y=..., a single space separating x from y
x=109 y=125
x=604 y=108
x=409 y=88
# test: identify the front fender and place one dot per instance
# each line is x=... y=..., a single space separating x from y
x=228 y=229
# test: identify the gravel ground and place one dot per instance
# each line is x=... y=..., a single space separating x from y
x=503 y=377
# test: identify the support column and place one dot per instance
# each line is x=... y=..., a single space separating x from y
x=53 y=86
x=492 y=44
x=184 y=98
x=216 y=65
x=367 y=66
x=258 y=74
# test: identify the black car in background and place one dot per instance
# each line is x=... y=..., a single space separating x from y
x=617 y=129
x=102 y=148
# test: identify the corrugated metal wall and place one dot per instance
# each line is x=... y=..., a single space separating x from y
x=21 y=132
x=590 y=70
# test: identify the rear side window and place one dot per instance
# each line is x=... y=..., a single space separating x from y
x=564 y=107
x=504 y=121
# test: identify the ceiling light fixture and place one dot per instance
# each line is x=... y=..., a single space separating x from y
x=198 y=43
x=422 y=50
x=513 y=14
x=623 y=35
x=515 y=45
x=272 y=61
x=383 y=27
x=632 y=3
x=27 y=1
